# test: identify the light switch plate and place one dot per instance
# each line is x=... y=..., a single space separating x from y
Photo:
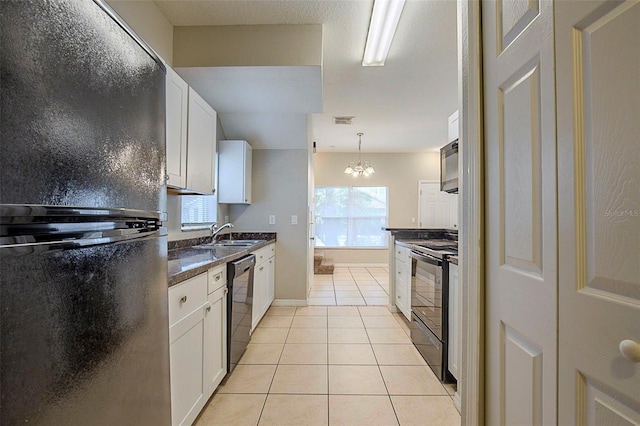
x=294 y=219
x=272 y=219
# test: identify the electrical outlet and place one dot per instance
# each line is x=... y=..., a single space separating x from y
x=272 y=219
x=294 y=219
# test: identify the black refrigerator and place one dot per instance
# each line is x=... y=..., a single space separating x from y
x=83 y=255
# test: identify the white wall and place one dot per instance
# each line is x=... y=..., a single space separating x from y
x=400 y=173
x=149 y=23
x=280 y=188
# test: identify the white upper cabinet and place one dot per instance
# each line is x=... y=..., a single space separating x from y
x=191 y=138
x=201 y=145
x=453 y=127
x=234 y=174
x=177 y=93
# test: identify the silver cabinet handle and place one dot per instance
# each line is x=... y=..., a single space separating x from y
x=218 y=277
x=630 y=350
x=261 y=268
x=208 y=308
x=183 y=299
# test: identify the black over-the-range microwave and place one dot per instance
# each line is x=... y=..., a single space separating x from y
x=449 y=167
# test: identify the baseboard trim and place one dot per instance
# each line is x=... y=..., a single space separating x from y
x=289 y=302
x=361 y=265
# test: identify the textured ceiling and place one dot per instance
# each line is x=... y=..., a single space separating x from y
x=401 y=107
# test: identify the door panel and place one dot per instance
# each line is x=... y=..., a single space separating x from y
x=598 y=72
x=519 y=137
x=521 y=369
x=521 y=217
x=513 y=18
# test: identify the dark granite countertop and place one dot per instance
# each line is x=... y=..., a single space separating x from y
x=423 y=233
x=406 y=242
x=188 y=261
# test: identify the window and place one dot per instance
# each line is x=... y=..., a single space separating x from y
x=198 y=211
x=351 y=216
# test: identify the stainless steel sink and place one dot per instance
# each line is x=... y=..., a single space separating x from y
x=232 y=243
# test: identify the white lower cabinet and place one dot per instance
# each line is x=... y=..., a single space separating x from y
x=403 y=280
x=215 y=323
x=271 y=275
x=263 y=283
x=454 y=348
x=197 y=335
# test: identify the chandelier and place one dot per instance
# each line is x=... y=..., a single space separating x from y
x=359 y=168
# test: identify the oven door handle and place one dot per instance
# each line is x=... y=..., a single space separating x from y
x=427 y=259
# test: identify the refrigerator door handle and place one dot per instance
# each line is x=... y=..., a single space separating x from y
x=22 y=249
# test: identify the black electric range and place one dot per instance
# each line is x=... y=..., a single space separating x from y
x=429 y=302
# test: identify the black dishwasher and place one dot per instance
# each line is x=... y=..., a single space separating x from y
x=239 y=303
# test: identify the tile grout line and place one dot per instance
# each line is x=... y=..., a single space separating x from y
x=380 y=370
x=328 y=384
x=275 y=371
x=358 y=287
x=335 y=296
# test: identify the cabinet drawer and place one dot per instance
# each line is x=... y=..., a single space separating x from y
x=402 y=253
x=217 y=278
x=264 y=253
x=186 y=297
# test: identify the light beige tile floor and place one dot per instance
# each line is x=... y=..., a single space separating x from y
x=355 y=286
x=336 y=365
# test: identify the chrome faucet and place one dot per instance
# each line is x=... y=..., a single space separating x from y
x=215 y=229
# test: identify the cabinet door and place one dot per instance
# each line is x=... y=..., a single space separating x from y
x=402 y=283
x=248 y=164
x=201 y=146
x=234 y=173
x=260 y=283
x=271 y=288
x=455 y=323
x=215 y=340
x=188 y=394
x=177 y=96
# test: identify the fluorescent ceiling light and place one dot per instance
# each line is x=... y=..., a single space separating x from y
x=382 y=27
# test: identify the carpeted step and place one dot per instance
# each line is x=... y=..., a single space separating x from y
x=325 y=269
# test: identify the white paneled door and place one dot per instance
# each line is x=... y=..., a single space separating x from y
x=436 y=208
x=598 y=95
x=521 y=215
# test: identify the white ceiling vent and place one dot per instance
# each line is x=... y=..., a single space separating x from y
x=345 y=119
